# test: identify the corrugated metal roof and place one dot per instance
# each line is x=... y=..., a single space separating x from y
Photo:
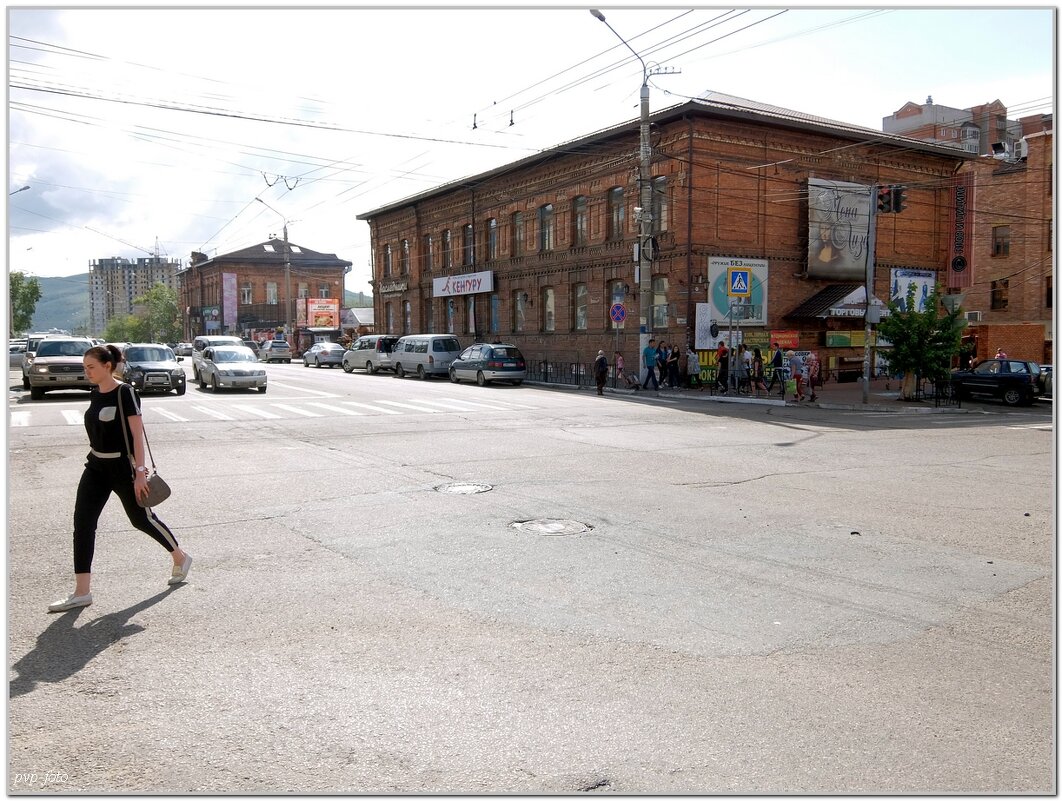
x=823 y=300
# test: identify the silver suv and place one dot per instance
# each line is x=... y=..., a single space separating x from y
x=199 y=344
x=275 y=350
x=59 y=364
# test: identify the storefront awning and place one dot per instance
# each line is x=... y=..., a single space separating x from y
x=819 y=304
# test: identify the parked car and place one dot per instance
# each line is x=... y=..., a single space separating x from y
x=201 y=343
x=183 y=349
x=275 y=350
x=15 y=351
x=484 y=363
x=59 y=364
x=1013 y=381
x=425 y=354
x=230 y=367
x=1047 y=371
x=373 y=352
x=250 y=343
x=329 y=353
x=152 y=367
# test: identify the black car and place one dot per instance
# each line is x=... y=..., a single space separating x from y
x=1013 y=381
x=152 y=367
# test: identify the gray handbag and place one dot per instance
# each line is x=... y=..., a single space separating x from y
x=158 y=489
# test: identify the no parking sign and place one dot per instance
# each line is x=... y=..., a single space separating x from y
x=618 y=312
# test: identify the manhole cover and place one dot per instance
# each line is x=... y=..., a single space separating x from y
x=463 y=488
x=552 y=527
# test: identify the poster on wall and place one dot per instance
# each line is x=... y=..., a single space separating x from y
x=838 y=224
x=211 y=318
x=322 y=313
x=228 y=299
x=719 y=296
x=923 y=281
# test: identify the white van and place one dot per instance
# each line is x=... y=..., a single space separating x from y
x=425 y=354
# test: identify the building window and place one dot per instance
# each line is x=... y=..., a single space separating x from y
x=247 y=293
x=407 y=317
x=580 y=221
x=580 y=299
x=466 y=244
x=429 y=316
x=1001 y=240
x=1049 y=285
x=451 y=313
x=492 y=239
x=617 y=293
x=304 y=290
x=519 y=312
x=470 y=312
x=549 y=309
x=615 y=213
x=271 y=293
x=518 y=234
x=999 y=293
x=322 y=291
x=545 y=228
x=495 y=313
x=659 y=204
x=447 y=253
x=429 y=253
x=403 y=257
x=660 y=301
x=390 y=316
x=387 y=260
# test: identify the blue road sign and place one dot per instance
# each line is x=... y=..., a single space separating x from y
x=617 y=312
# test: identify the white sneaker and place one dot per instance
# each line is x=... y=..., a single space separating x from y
x=180 y=572
x=70 y=602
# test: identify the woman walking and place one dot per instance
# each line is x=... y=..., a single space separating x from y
x=758 y=383
x=108 y=470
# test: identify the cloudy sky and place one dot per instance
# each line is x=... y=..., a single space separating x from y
x=144 y=128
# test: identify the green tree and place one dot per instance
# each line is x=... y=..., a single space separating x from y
x=25 y=292
x=160 y=313
x=923 y=342
x=126 y=328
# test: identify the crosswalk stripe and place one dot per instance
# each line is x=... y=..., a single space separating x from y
x=295 y=409
x=370 y=407
x=339 y=409
x=219 y=415
x=463 y=408
x=505 y=404
x=259 y=412
x=20 y=419
x=74 y=418
x=411 y=406
x=170 y=415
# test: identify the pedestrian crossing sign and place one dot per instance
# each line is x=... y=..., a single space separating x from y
x=739 y=282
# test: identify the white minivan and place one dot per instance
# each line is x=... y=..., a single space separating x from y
x=424 y=354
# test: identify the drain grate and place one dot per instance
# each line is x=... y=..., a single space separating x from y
x=463 y=488
x=551 y=527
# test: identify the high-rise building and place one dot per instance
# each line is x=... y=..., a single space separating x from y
x=114 y=283
x=982 y=130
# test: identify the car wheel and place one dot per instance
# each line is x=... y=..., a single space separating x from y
x=1013 y=397
x=420 y=372
x=287 y=361
x=369 y=368
x=181 y=389
x=262 y=389
x=202 y=382
x=36 y=393
x=453 y=376
x=518 y=382
x=214 y=383
x=305 y=363
x=399 y=372
x=480 y=379
x=348 y=367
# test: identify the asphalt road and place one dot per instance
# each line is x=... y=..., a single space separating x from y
x=645 y=595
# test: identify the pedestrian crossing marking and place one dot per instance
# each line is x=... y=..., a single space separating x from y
x=296 y=410
x=214 y=413
x=451 y=406
x=259 y=412
x=370 y=407
x=20 y=419
x=73 y=418
x=411 y=406
x=505 y=405
x=339 y=409
x=175 y=417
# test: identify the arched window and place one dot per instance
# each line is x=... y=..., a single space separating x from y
x=387 y=260
x=660 y=301
x=580 y=300
x=615 y=213
x=545 y=228
x=466 y=244
x=659 y=204
x=549 y=309
x=580 y=221
x=492 y=239
x=403 y=257
x=518 y=234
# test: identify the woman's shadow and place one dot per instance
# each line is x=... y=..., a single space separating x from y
x=62 y=650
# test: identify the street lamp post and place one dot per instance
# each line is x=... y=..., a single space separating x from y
x=287 y=275
x=644 y=213
x=20 y=189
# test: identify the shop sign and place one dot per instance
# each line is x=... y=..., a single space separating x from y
x=787 y=339
x=322 y=313
x=468 y=284
x=392 y=287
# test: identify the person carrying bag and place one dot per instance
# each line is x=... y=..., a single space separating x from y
x=113 y=421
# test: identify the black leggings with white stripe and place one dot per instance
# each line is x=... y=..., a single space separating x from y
x=100 y=479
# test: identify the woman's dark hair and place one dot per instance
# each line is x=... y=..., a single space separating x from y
x=756 y=353
x=105 y=354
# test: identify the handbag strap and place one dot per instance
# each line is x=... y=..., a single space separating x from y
x=125 y=433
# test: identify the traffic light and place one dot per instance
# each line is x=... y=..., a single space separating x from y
x=899 y=199
x=885 y=199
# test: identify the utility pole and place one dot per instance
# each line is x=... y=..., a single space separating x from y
x=287 y=275
x=880 y=198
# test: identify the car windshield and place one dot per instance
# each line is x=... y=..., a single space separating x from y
x=148 y=355
x=233 y=356
x=61 y=348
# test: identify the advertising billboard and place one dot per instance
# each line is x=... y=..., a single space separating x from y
x=228 y=299
x=319 y=313
x=924 y=282
x=838 y=228
x=723 y=274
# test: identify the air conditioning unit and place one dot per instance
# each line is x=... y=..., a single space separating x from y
x=973 y=317
x=1021 y=149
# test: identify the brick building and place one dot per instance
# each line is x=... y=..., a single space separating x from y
x=245 y=292
x=1008 y=289
x=536 y=252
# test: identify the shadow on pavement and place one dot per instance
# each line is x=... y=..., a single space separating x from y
x=62 y=650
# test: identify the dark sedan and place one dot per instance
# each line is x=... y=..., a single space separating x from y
x=485 y=363
x=152 y=366
x=1012 y=381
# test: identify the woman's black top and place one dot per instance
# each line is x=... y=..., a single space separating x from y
x=101 y=419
